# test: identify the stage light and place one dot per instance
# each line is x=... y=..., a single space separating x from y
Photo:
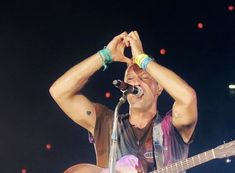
x=231 y=89
x=107 y=94
x=230 y=7
x=48 y=146
x=162 y=51
x=231 y=86
x=23 y=170
x=200 y=25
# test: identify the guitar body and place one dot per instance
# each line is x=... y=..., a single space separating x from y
x=89 y=168
x=84 y=168
x=131 y=164
x=126 y=164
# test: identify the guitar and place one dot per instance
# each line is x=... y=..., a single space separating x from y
x=222 y=151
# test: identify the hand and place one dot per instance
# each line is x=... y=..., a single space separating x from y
x=133 y=40
x=127 y=164
x=117 y=46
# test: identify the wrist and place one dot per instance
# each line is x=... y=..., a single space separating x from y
x=142 y=60
x=106 y=57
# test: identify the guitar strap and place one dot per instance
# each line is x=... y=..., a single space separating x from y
x=158 y=142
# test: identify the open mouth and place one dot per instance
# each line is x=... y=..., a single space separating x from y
x=139 y=97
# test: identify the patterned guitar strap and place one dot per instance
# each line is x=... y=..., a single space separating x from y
x=158 y=142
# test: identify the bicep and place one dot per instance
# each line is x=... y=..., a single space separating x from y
x=81 y=110
x=184 y=119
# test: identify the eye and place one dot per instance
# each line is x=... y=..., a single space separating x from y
x=129 y=78
x=145 y=77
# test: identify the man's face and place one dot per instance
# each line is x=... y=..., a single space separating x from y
x=138 y=77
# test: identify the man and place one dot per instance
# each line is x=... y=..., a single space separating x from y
x=144 y=138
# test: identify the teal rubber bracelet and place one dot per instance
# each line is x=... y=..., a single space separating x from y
x=106 y=57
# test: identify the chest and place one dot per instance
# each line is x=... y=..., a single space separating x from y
x=135 y=140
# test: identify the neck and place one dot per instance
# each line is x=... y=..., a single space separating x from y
x=140 y=118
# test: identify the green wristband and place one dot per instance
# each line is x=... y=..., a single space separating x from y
x=106 y=57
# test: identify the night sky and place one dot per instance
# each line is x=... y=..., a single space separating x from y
x=40 y=40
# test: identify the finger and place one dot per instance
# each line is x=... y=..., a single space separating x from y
x=133 y=60
x=136 y=34
x=113 y=43
x=120 y=36
x=129 y=64
x=127 y=43
x=127 y=60
x=121 y=45
x=132 y=34
x=127 y=39
x=130 y=39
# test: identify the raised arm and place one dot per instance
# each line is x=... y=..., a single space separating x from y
x=66 y=90
x=184 y=109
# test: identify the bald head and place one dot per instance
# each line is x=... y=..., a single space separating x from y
x=136 y=76
x=133 y=68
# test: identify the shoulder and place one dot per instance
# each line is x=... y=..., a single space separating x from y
x=103 y=114
x=102 y=109
x=170 y=130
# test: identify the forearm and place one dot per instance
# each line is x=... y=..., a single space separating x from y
x=75 y=78
x=176 y=87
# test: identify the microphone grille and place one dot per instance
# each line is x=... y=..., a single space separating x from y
x=115 y=82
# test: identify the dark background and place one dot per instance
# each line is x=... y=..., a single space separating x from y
x=40 y=40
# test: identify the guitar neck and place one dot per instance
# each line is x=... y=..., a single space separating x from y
x=187 y=163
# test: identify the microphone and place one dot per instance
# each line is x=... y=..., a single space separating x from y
x=127 y=88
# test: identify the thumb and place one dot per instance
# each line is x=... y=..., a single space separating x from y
x=127 y=60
